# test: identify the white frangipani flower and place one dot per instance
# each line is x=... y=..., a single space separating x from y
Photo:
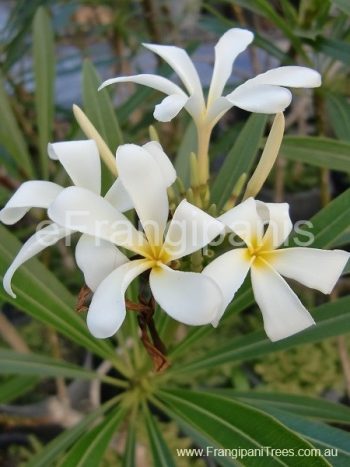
x=266 y=93
x=283 y=313
x=81 y=161
x=191 y=298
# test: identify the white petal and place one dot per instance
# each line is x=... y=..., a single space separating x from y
x=188 y=297
x=153 y=81
x=181 y=63
x=97 y=259
x=228 y=271
x=34 y=245
x=169 y=107
x=289 y=76
x=283 y=312
x=218 y=108
x=260 y=98
x=279 y=224
x=143 y=179
x=119 y=197
x=318 y=269
x=84 y=211
x=32 y=194
x=163 y=161
x=229 y=46
x=81 y=161
x=107 y=309
x=245 y=221
x=190 y=230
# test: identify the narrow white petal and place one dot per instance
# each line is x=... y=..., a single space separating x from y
x=107 y=309
x=190 y=230
x=153 y=81
x=84 y=211
x=276 y=216
x=260 y=98
x=119 y=197
x=169 y=107
x=188 y=297
x=143 y=179
x=97 y=258
x=283 y=312
x=181 y=63
x=81 y=161
x=32 y=194
x=229 y=46
x=163 y=161
x=317 y=269
x=245 y=221
x=218 y=108
x=289 y=76
x=34 y=245
x=228 y=271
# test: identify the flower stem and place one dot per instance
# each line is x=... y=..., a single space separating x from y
x=203 y=137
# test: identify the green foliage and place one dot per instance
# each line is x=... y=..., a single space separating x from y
x=161 y=412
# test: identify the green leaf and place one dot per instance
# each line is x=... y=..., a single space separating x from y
x=339 y=115
x=98 y=107
x=333 y=319
x=343 y=5
x=182 y=162
x=44 y=298
x=327 y=225
x=40 y=365
x=44 y=72
x=11 y=136
x=321 y=436
x=63 y=441
x=15 y=387
x=239 y=160
x=337 y=49
x=306 y=406
x=161 y=454
x=321 y=152
x=223 y=423
x=91 y=447
x=129 y=451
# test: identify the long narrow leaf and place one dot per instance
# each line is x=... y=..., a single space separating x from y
x=239 y=160
x=44 y=72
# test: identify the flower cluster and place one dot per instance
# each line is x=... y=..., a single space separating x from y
x=144 y=175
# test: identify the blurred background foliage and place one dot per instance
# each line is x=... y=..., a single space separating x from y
x=56 y=53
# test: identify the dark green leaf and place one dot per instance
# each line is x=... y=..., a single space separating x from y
x=182 y=162
x=62 y=442
x=339 y=115
x=99 y=108
x=239 y=160
x=161 y=454
x=321 y=152
x=333 y=319
x=227 y=424
x=11 y=136
x=39 y=365
x=306 y=406
x=42 y=296
x=44 y=72
x=327 y=225
x=91 y=447
x=15 y=387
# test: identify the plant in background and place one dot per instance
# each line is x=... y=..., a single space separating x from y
x=163 y=267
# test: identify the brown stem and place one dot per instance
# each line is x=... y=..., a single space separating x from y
x=154 y=346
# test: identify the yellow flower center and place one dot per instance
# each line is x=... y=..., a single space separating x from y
x=258 y=252
x=157 y=254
